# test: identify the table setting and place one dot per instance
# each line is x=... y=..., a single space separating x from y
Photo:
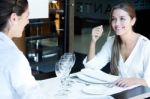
x=84 y=87
x=85 y=84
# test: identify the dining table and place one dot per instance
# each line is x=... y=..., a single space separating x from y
x=80 y=89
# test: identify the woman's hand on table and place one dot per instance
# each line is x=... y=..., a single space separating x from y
x=127 y=82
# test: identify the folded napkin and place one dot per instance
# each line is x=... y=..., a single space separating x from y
x=88 y=79
x=99 y=75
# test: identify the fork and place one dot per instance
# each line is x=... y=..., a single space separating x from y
x=109 y=85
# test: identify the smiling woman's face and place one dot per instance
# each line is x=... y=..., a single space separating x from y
x=121 y=22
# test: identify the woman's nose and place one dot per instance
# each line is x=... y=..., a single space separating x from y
x=117 y=22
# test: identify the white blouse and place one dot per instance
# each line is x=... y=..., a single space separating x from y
x=136 y=65
x=16 y=80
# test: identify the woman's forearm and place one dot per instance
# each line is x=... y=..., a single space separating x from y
x=142 y=82
x=91 y=52
x=96 y=34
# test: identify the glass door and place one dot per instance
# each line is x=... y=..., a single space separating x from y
x=45 y=39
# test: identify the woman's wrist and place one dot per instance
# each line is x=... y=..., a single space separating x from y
x=143 y=82
x=93 y=42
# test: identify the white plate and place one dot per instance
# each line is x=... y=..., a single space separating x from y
x=96 y=90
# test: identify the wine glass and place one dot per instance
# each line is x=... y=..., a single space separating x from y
x=71 y=58
x=61 y=71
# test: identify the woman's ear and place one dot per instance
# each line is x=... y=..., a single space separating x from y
x=13 y=19
x=133 y=21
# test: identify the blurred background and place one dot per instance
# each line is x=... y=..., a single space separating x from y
x=67 y=28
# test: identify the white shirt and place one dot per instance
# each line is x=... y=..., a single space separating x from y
x=16 y=80
x=136 y=65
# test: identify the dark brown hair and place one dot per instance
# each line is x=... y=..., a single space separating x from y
x=115 y=54
x=7 y=7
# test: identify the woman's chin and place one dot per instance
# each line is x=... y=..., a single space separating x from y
x=119 y=33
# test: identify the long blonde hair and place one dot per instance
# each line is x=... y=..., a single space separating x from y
x=115 y=52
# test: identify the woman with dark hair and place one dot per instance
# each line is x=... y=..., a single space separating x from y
x=128 y=52
x=16 y=80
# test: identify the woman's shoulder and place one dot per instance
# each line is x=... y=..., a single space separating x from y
x=145 y=42
x=144 y=39
x=111 y=38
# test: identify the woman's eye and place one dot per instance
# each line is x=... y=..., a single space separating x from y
x=122 y=19
x=113 y=19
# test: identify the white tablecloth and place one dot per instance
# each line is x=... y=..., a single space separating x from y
x=52 y=85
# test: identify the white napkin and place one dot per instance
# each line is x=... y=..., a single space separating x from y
x=98 y=75
x=88 y=79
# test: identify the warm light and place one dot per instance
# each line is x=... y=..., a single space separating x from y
x=54 y=1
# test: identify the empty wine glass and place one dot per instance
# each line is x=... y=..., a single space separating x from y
x=71 y=58
x=61 y=71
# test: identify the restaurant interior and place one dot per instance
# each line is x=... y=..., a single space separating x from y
x=68 y=29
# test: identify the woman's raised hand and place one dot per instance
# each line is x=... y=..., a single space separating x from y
x=97 y=33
